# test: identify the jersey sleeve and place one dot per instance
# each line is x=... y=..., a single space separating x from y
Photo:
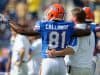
x=37 y=26
x=80 y=26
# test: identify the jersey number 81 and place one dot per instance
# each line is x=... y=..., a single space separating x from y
x=54 y=39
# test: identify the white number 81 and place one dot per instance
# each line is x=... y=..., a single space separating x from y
x=54 y=38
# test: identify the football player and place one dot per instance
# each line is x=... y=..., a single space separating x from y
x=54 y=31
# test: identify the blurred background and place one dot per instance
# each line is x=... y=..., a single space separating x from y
x=29 y=11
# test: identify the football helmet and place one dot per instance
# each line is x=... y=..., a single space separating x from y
x=89 y=14
x=54 y=12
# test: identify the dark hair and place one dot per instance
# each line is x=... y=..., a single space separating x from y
x=79 y=13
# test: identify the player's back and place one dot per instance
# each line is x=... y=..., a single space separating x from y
x=54 y=34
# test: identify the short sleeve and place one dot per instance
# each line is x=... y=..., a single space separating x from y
x=80 y=26
x=37 y=26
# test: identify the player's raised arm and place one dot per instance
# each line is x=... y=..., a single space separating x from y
x=85 y=31
x=81 y=32
x=25 y=30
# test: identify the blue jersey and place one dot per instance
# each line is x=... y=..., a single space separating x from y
x=55 y=34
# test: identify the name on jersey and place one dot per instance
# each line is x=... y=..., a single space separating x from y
x=55 y=27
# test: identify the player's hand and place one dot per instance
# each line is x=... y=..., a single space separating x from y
x=51 y=53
